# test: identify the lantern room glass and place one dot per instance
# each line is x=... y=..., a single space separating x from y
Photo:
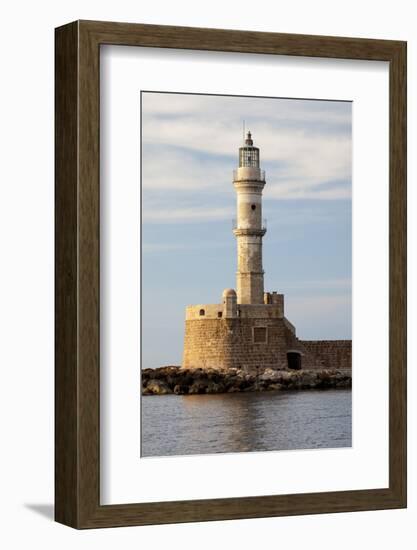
x=249 y=156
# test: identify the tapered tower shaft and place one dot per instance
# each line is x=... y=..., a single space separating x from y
x=249 y=181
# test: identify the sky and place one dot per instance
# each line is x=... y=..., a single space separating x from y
x=189 y=150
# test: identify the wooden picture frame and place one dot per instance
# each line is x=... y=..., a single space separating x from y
x=77 y=382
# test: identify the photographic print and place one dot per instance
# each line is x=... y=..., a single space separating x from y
x=203 y=249
x=246 y=232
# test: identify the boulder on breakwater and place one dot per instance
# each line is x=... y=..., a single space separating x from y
x=175 y=380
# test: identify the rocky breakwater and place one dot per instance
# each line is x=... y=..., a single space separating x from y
x=174 y=380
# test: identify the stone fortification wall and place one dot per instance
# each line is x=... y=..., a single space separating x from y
x=207 y=343
x=249 y=354
x=256 y=342
x=233 y=343
x=308 y=359
x=335 y=354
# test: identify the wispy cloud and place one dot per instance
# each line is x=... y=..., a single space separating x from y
x=174 y=168
x=186 y=215
x=343 y=283
x=190 y=143
x=150 y=247
x=163 y=247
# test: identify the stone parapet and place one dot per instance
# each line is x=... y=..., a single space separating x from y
x=335 y=354
x=260 y=311
x=203 y=311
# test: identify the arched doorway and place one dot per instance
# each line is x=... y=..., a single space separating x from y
x=294 y=360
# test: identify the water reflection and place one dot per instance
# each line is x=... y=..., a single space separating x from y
x=203 y=424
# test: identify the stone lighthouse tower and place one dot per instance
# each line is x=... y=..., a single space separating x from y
x=249 y=181
x=248 y=329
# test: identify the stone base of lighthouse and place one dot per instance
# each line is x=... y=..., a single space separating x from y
x=257 y=337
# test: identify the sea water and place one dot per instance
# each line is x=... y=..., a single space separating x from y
x=242 y=422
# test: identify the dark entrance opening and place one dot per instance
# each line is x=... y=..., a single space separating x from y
x=294 y=360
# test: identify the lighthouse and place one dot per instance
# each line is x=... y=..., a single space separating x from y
x=248 y=329
x=249 y=229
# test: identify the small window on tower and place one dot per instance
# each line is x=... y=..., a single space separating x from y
x=253 y=206
x=202 y=312
x=259 y=335
x=219 y=314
